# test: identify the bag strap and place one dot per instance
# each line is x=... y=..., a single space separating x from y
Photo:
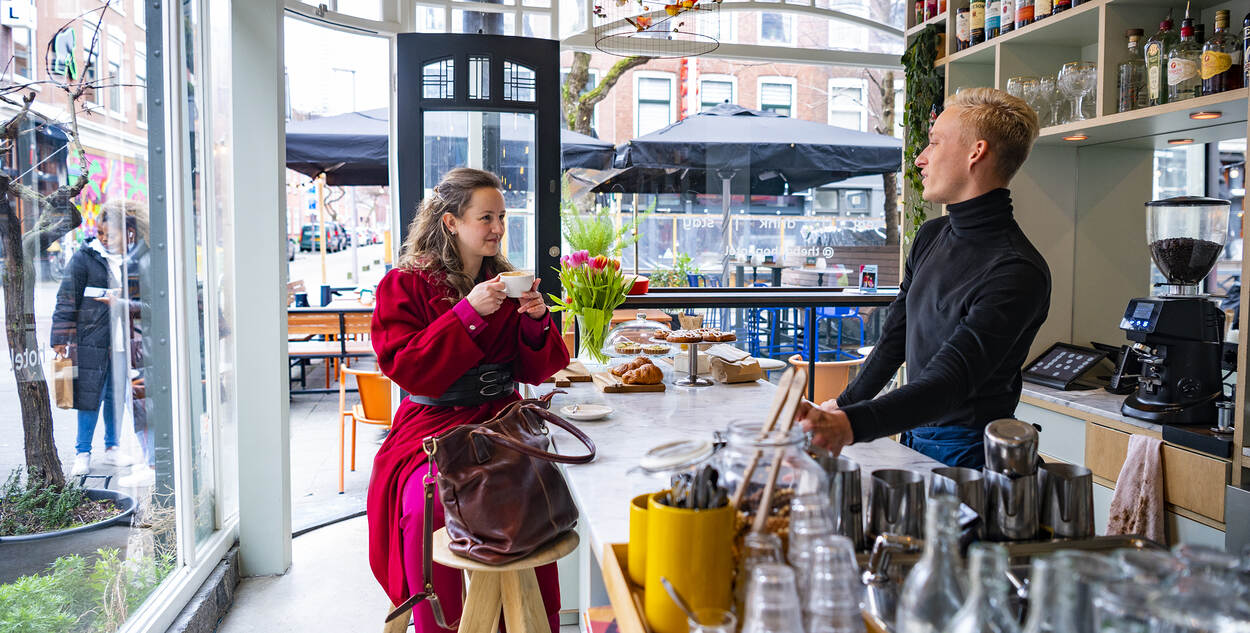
x=524 y=449
x=427 y=566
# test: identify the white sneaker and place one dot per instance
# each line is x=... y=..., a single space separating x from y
x=141 y=476
x=82 y=465
x=111 y=457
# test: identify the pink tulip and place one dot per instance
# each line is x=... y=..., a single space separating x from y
x=581 y=258
x=566 y=262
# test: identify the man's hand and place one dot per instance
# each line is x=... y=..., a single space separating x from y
x=830 y=405
x=831 y=430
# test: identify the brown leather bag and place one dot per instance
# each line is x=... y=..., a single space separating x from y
x=502 y=495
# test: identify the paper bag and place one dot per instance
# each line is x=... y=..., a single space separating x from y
x=690 y=321
x=63 y=382
x=742 y=371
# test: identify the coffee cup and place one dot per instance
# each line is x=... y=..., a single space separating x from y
x=517 y=282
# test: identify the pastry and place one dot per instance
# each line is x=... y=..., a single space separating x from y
x=627 y=347
x=657 y=348
x=684 y=336
x=622 y=369
x=720 y=336
x=661 y=335
x=645 y=375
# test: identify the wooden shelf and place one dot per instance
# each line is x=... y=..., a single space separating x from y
x=1158 y=124
x=937 y=19
x=1080 y=28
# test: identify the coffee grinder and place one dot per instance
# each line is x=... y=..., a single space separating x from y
x=1179 y=335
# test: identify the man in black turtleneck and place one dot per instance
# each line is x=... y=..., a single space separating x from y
x=973 y=296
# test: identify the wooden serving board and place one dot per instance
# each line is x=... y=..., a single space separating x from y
x=575 y=372
x=607 y=383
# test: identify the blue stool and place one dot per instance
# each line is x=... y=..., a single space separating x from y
x=769 y=324
x=839 y=315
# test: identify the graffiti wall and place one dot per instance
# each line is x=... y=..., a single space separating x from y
x=109 y=177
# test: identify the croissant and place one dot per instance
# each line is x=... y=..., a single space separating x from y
x=621 y=370
x=647 y=374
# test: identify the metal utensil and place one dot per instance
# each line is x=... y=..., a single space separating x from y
x=1067 y=503
x=1011 y=447
x=678 y=600
x=897 y=502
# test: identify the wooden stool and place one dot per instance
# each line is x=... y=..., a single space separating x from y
x=512 y=588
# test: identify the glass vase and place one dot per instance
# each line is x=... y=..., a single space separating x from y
x=592 y=327
x=934 y=591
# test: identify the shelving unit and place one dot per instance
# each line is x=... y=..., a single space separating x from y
x=1080 y=195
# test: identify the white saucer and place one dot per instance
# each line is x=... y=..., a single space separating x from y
x=586 y=412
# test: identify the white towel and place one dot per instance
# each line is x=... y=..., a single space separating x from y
x=1137 y=506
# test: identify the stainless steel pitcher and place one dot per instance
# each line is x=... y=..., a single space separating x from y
x=1011 y=447
x=966 y=484
x=898 y=503
x=846 y=496
x=1011 y=506
x=1067 y=502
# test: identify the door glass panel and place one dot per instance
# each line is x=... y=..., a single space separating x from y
x=501 y=143
x=438 y=80
x=479 y=77
x=518 y=82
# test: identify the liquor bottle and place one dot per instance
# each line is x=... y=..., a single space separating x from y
x=1245 y=47
x=1060 y=6
x=932 y=592
x=930 y=9
x=962 y=30
x=1132 y=78
x=1221 y=58
x=1041 y=9
x=1157 y=61
x=919 y=11
x=993 y=11
x=986 y=610
x=1185 y=64
x=1007 y=17
x=1024 y=13
x=976 y=22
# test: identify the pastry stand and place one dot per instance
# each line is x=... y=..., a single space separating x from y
x=692 y=378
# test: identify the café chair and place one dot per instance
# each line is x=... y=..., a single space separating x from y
x=713 y=317
x=768 y=329
x=374 y=407
x=839 y=316
x=831 y=377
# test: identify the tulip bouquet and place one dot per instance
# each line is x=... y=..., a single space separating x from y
x=593 y=288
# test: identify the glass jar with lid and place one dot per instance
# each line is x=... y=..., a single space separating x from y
x=747 y=463
x=637 y=338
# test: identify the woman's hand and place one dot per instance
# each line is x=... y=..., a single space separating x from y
x=532 y=303
x=487 y=296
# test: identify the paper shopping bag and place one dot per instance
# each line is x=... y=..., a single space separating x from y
x=63 y=382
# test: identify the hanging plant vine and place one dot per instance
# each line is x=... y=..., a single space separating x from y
x=925 y=90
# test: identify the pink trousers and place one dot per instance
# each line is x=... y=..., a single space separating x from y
x=448 y=582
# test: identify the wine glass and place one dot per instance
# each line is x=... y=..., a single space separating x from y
x=1015 y=85
x=1051 y=100
x=1030 y=91
x=1076 y=79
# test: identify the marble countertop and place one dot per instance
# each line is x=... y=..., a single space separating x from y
x=641 y=421
x=1095 y=401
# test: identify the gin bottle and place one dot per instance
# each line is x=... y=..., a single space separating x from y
x=1157 y=61
x=1185 y=65
x=933 y=591
x=1132 y=76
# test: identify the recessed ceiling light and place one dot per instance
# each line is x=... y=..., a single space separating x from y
x=1180 y=141
x=1075 y=137
x=1205 y=115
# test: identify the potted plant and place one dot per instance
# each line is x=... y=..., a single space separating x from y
x=593 y=288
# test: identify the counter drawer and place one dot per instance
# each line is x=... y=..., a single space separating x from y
x=1062 y=436
x=1190 y=481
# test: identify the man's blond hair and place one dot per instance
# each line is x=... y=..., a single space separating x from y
x=1005 y=122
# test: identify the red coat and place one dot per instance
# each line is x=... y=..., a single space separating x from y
x=424 y=345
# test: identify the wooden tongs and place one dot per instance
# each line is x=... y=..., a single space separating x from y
x=779 y=421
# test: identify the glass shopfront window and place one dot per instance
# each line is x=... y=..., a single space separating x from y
x=110 y=251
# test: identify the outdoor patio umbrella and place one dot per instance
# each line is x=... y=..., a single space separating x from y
x=351 y=148
x=710 y=151
x=581 y=150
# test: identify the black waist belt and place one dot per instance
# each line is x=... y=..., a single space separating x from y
x=478 y=385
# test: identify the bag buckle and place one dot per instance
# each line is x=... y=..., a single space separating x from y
x=430 y=445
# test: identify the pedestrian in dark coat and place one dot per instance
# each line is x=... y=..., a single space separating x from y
x=81 y=330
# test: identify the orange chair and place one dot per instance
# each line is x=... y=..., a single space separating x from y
x=374 y=407
x=832 y=377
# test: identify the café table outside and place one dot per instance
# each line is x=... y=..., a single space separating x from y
x=740 y=273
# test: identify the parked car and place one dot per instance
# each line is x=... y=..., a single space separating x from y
x=310 y=237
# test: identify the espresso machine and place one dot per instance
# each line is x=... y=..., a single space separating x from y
x=1178 y=335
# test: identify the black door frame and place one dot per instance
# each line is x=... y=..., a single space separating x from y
x=414 y=51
